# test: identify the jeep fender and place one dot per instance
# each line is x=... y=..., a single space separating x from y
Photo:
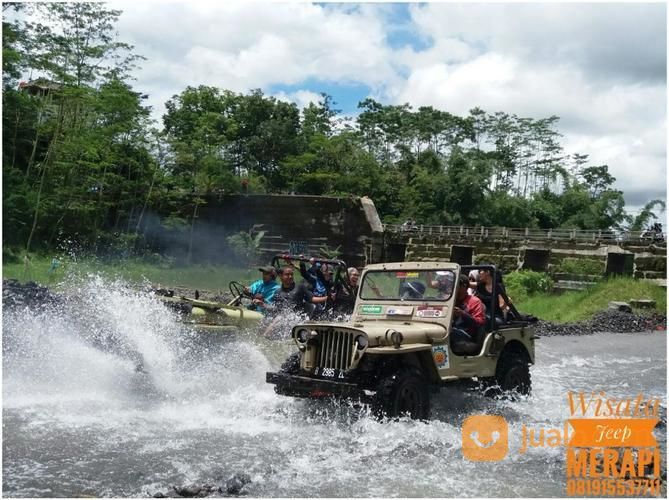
x=516 y=347
x=416 y=355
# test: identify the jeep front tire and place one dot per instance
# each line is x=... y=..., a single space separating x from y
x=402 y=393
x=291 y=365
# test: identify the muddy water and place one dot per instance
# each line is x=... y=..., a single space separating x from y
x=79 y=419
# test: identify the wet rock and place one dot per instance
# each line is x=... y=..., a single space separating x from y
x=236 y=483
x=29 y=294
x=643 y=303
x=620 y=306
x=191 y=490
x=194 y=490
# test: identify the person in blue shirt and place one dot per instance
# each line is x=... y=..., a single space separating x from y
x=264 y=289
x=319 y=278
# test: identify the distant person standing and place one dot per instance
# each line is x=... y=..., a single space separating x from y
x=27 y=268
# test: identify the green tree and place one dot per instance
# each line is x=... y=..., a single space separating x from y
x=646 y=215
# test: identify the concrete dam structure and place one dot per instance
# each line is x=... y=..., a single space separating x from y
x=305 y=224
x=557 y=252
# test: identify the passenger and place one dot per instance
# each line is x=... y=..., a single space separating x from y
x=319 y=278
x=264 y=289
x=468 y=314
x=484 y=291
x=443 y=282
x=291 y=295
x=344 y=293
x=473 y=281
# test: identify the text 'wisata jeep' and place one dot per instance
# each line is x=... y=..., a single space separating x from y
x=397 y=344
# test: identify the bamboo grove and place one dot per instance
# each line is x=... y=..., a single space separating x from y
x=84 y=163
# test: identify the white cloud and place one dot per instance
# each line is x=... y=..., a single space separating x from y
x=600 y=67
x=240 y=46
x=302 y=97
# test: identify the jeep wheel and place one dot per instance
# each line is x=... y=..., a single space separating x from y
x=292 y=364
x=513 y=375
x=403 y=393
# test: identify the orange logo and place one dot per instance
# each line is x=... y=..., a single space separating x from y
x=485 y=438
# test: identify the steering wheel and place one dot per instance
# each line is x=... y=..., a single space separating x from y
x=238 y=292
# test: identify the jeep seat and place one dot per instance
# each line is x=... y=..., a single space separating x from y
x=467 y=348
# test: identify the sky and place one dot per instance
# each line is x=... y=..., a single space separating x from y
x=600 y=67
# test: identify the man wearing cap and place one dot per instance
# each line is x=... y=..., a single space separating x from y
x=443 y=282
x=264 y=289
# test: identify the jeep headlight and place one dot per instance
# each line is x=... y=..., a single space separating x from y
x=396 y=337
x=302 y=335
x=361 y=342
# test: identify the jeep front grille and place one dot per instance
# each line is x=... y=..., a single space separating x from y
x=335 y=349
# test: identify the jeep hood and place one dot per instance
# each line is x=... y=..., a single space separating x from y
x=412 y=331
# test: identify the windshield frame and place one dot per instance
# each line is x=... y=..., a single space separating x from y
x=421 y=275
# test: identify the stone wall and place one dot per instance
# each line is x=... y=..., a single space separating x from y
x=635 y=258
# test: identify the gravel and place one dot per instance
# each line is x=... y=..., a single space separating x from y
x=605 y=321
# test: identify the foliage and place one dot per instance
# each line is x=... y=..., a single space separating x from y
x=646 y=215
x=581 y=266
x=521 y=284
x=246 y=245
x=329 y=253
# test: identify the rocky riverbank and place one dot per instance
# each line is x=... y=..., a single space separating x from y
x=605 y=321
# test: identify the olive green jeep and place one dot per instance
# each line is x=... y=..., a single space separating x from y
x=396 y=346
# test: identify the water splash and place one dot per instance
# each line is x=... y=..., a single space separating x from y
x=79 y=418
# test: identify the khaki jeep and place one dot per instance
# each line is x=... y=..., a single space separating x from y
x=397 y=346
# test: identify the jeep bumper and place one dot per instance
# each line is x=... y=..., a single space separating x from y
x=311 y=387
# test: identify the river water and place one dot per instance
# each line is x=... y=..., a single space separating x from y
x=79 y=419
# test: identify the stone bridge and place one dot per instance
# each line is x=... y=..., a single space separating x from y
x=562 y=253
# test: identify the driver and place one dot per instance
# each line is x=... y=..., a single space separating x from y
x=412 y=290
x=264 y=289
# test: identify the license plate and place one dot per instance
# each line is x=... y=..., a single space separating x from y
x=334 y=373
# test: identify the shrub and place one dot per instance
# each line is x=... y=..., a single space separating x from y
x=10 y=255
x=581 y=266
x=246 y=245
x=521 y=284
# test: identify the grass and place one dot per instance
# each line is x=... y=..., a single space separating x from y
x=202 y=277
x=581 y=305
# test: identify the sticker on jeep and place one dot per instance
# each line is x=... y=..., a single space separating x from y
x=399 y=311
x=406 y=274
x=429 y=311
x=440 y=356
x=372 y=310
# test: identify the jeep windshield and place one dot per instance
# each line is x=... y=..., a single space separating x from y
x=418 y=285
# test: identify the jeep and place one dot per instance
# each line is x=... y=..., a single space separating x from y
x=396 y=346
